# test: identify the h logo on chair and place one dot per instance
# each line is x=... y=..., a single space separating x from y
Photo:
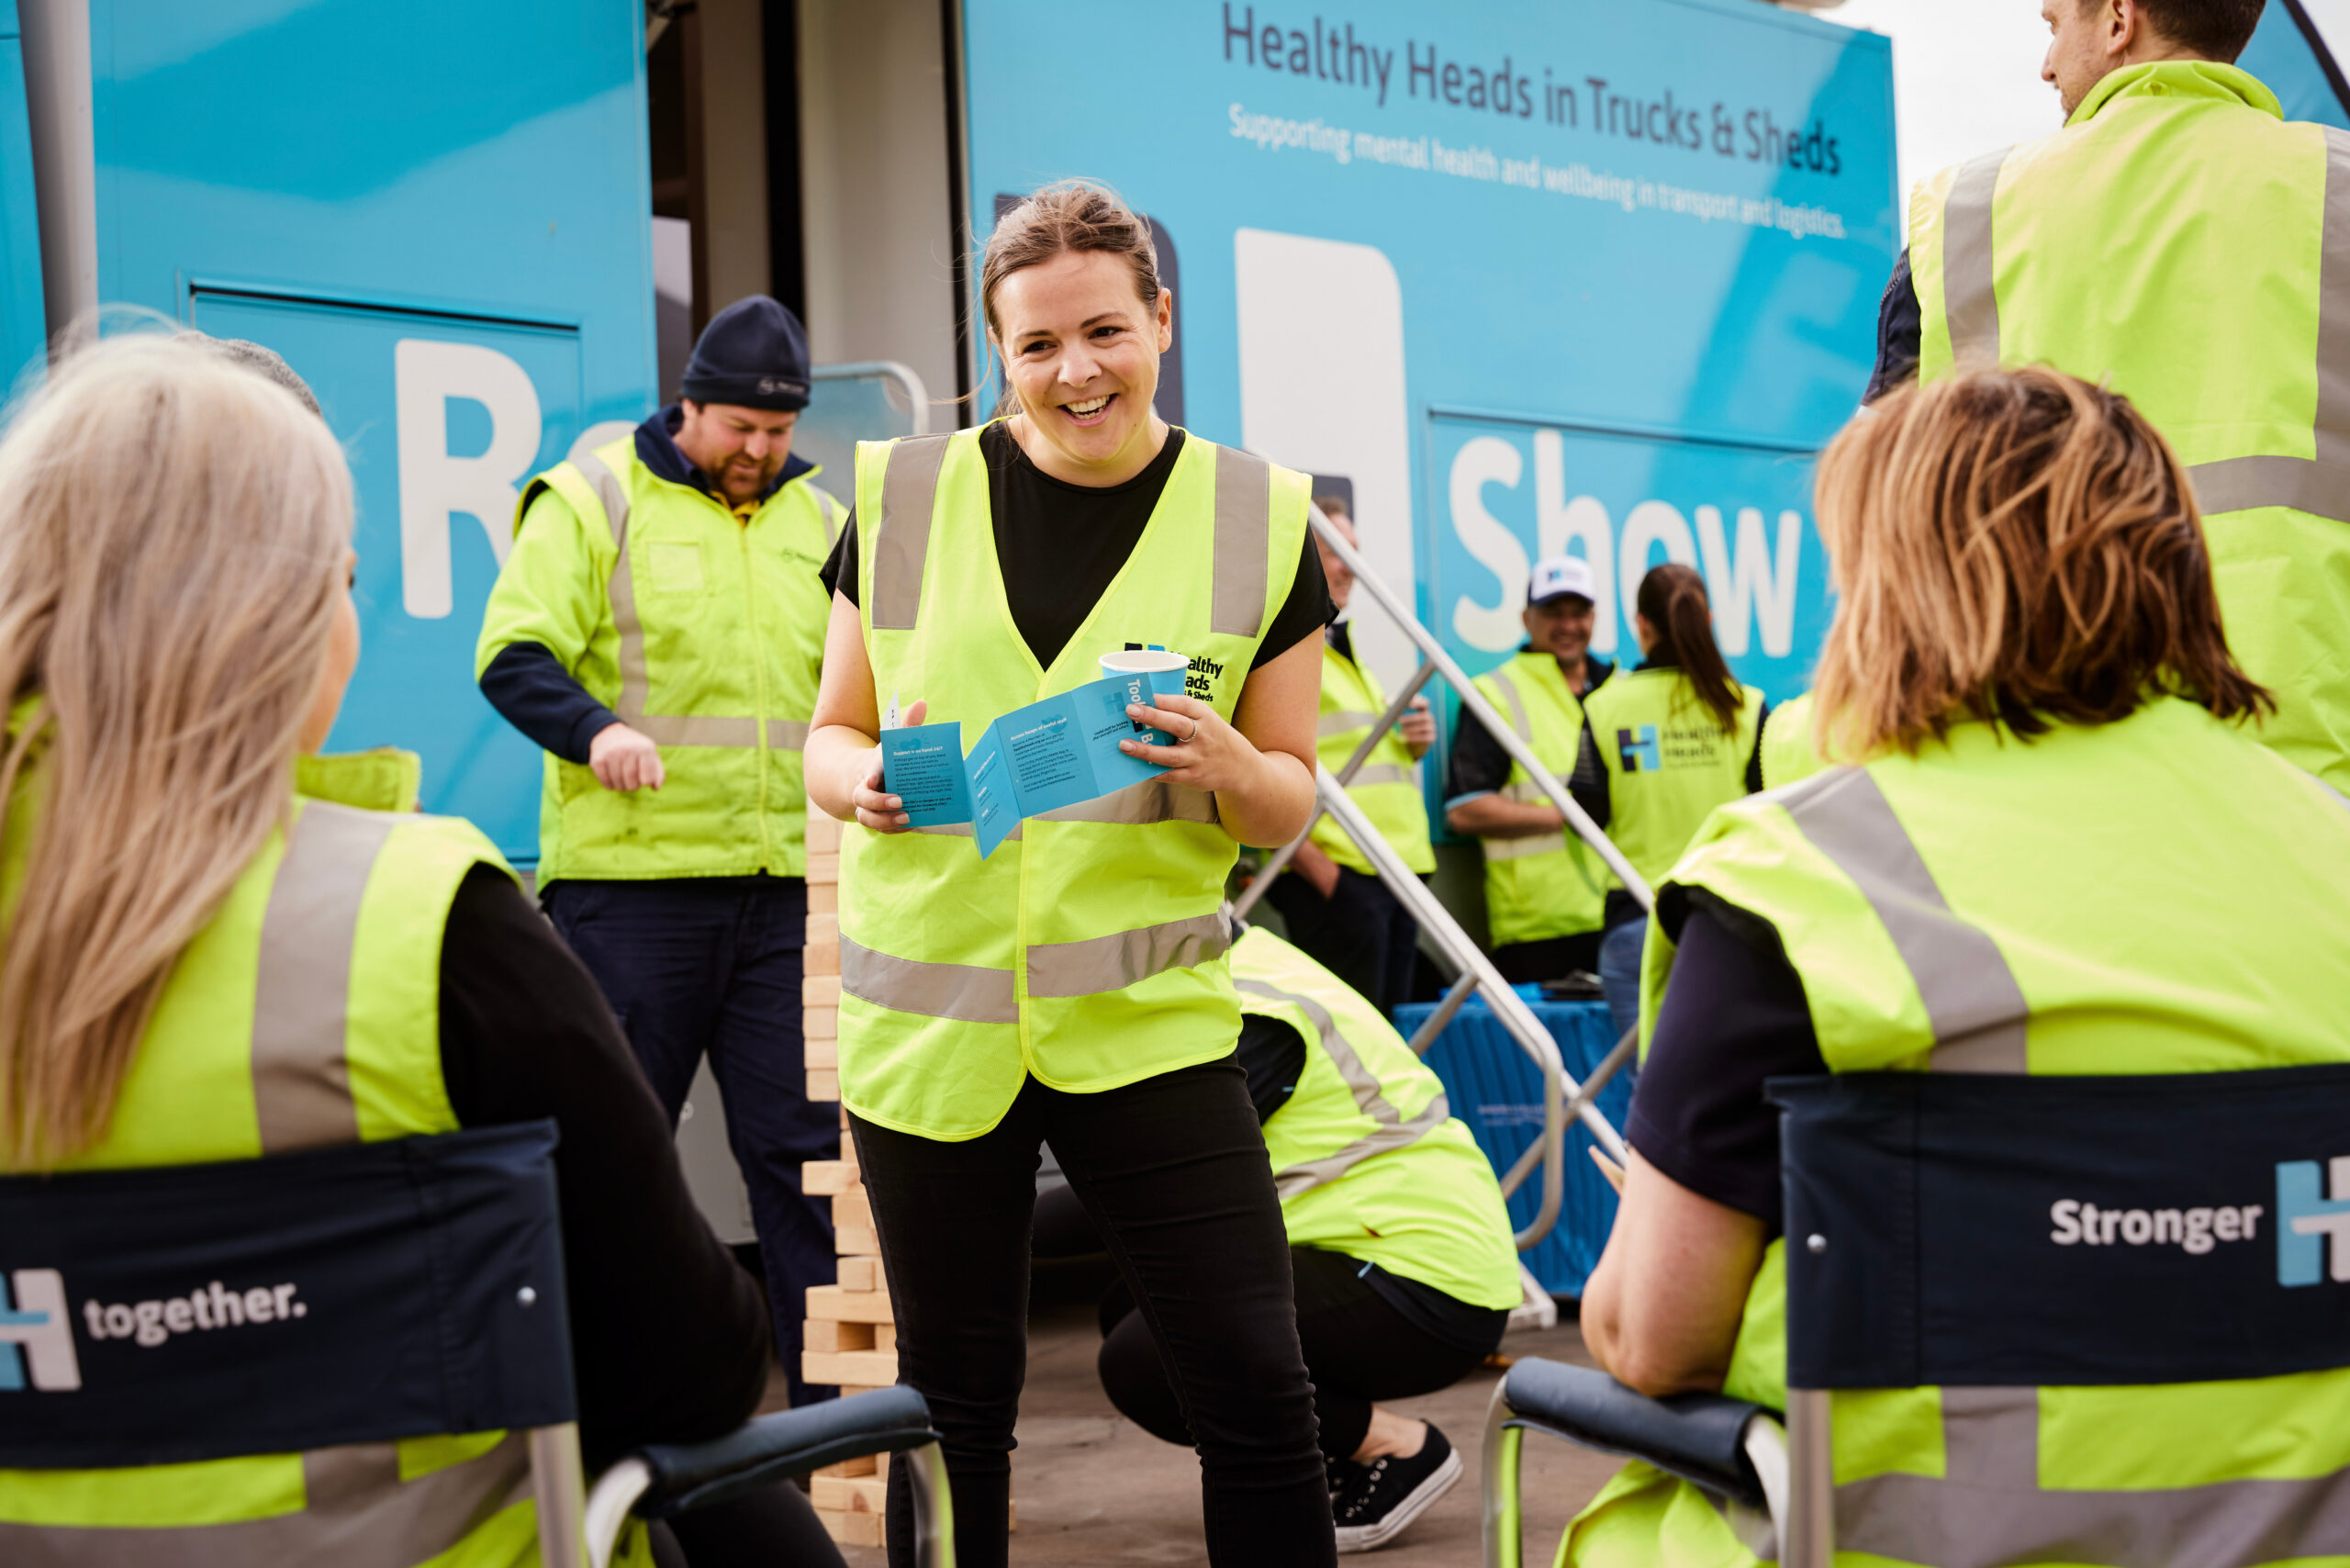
x=2305 y=1220
x=35 y=1329
x=1639 y=749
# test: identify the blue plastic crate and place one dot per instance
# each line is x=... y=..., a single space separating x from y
x=1495 y=1091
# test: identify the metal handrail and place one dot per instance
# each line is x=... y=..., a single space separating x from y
x=908 y=381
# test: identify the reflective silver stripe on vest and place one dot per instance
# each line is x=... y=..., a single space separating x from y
x=1988 y=1508
x=1517 y=718
x=663 y=729
x=1970 y=274
x=1136 y=805
x=1381 y=773
x=1371 y=1099
x=2320 y=485
x=1126 y=957
x=359 y=1514
x=966 y=992
x=1339 y=724
x=302 y=988
x=902 y=538
x=1972 y=1001
x=829 y=511
x=1244 y=529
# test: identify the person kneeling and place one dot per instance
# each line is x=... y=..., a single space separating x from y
x=1399 y=1241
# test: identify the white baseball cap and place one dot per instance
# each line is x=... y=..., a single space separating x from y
x=1555 y=575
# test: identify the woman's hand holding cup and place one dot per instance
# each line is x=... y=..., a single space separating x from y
x=1208 y=753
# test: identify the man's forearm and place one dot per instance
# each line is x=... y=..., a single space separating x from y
x=1497 y=816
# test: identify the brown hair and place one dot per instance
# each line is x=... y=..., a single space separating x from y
x=2216 y=29
x=2016 y=545
x=1672 y=597
x=1073 y=215
x=163 y=621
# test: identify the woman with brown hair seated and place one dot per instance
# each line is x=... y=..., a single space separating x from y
x=2061 y=851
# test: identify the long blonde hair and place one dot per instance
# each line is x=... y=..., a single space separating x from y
x=171 y=529
x=2014 y=545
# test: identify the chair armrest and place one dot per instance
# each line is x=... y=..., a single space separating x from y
x=790 y=1442
x=1698 y=1437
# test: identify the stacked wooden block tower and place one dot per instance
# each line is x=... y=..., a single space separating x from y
x=852 y=1334
x=852 y=1339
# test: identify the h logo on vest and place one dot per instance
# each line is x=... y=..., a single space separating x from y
x=1639 y=749
x=2304 y=1220
x=34 y=1329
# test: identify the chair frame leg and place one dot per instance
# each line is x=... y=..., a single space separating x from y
x=1808 y=1533
x=934 y=1507
x=1498 y=1484
x=559 y=1487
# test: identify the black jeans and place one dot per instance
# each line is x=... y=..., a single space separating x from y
x=1362 y=932
x=712 y=966
x=1550 y=957
x=1173 y=1170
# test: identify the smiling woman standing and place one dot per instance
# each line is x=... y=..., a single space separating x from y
x=1073 y=987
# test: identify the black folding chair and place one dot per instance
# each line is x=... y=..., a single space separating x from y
x=1993 y=1235
x=311 y=1303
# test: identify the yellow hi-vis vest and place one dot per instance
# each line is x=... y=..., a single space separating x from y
x=1789 y=752
x=1368 y=1158
x=1668 y=763
x=1387 y=785
x=703 y=631
x=1089 y=950
x=1548 y=884
x=2180 y=243
x=305 y=1013
x=1992 y=905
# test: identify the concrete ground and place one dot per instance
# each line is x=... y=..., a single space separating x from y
x=1091 y=1488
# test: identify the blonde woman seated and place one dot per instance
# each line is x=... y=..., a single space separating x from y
x=2063 y=852
x=202 y=964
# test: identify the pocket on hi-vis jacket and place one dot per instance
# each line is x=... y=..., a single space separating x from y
x=674 y=569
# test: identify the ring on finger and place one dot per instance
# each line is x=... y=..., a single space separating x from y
x=1193 y=736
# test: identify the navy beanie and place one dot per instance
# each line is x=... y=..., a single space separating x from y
x=754 y=353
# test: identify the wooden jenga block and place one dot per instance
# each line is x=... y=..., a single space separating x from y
x=819 y=990
x=867 y=1495
x=851 y=1530
x=820 y=958
x=824 y=868
x=824 y=897
x=824 y=1084
x=855 y=1238
x=824 y=831
x=824 y=1178
x=854 y=1209
x=820 y=1023
x=860 y=1276
x=824 y=928
x=863 y=1464
x=841 y=1305
x=885 y=1338
x=832 y=1337
x=862 y=1368
x=821 y=1054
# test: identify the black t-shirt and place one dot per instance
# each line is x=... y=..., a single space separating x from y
x=669 y=1335
x=1733 y=1015
x=1059 y=546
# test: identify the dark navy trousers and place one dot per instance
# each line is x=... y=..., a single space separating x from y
x=699 y=966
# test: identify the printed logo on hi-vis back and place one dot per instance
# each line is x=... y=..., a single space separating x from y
x=2308 y=1222
x=1640 y=750
x=36 y=1334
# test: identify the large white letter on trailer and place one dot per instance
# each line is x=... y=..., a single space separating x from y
x=1651 y=523
x=1488 y=459
x=1746 y=586
x=425 y=374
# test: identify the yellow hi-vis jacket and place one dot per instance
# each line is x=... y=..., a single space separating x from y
x=304 y=1015
x=1995 y=906
x=1549 y=884
x=1088 y=951
x=1368 y=1158
x=2179 y=241
x=1387 y=785
x=702 y=629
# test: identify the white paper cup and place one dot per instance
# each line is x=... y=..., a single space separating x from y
x=1147 y=672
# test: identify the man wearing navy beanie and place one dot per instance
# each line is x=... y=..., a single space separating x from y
x=657 y=630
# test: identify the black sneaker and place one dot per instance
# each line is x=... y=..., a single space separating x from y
x=1372 y=1503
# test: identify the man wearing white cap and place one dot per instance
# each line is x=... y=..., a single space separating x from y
x=1544 y=887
